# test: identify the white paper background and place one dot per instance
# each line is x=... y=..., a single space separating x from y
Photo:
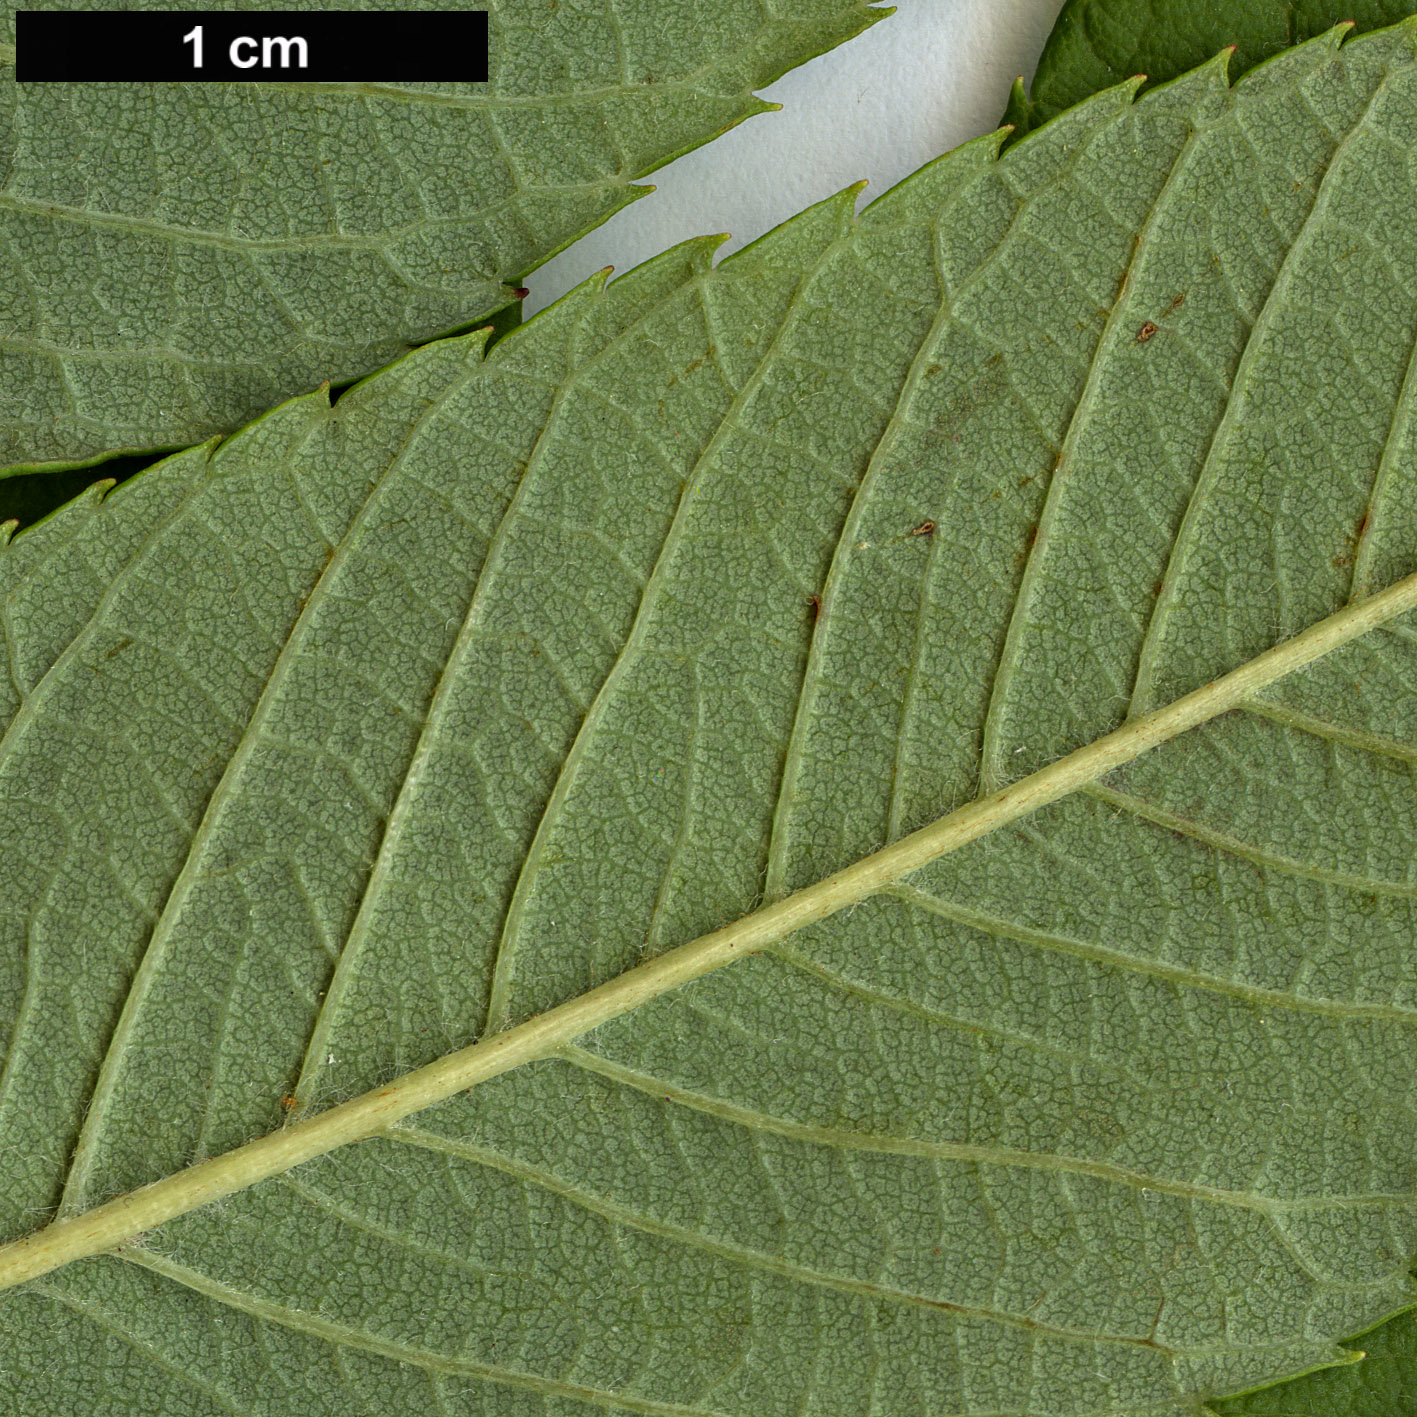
x=920 y=82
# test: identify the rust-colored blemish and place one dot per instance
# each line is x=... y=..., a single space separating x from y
x=1146 y=332
x=926 y=528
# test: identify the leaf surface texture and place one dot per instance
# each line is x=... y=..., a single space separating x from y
x=383 y=726
x=178 y=258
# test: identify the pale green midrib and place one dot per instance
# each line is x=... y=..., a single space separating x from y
x=91 y=1132
x=1238 y=396
x=118 y=1220
x=340 y=1335
x=1140 y=964
x=1334 y=733
x=992 y=772
x=499 y=997
x=1246 y=851
x=741 y=1254
x=339 y=983
x=973 y=1153
x=777 y=855
x=1397 y=433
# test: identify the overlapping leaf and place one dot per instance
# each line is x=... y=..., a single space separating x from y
x=1379 y=1386
x=1097 y=43
x=177 y=259
x=385 y=726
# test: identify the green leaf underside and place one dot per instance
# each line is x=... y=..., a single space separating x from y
x=1097 y=43
x=179 y=258
x=1379 y=1386
x=380 y=727
x=1094 y=44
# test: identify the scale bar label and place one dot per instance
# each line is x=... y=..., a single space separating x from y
x=269 y=46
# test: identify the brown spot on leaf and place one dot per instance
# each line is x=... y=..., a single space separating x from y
x=926 y=528
x=1146 y=332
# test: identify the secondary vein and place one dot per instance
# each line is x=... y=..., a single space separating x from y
x=150 y=1206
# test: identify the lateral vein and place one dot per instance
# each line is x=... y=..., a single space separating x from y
x=1246 y=851
x=968 y=1153
x=344 y=1336
x=127 y=1215
x=1176 y=974
x=740 y=1254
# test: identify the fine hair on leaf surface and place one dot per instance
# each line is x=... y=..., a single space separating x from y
x=509 y=748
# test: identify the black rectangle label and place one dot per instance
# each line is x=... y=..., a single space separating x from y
x=146 y=46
